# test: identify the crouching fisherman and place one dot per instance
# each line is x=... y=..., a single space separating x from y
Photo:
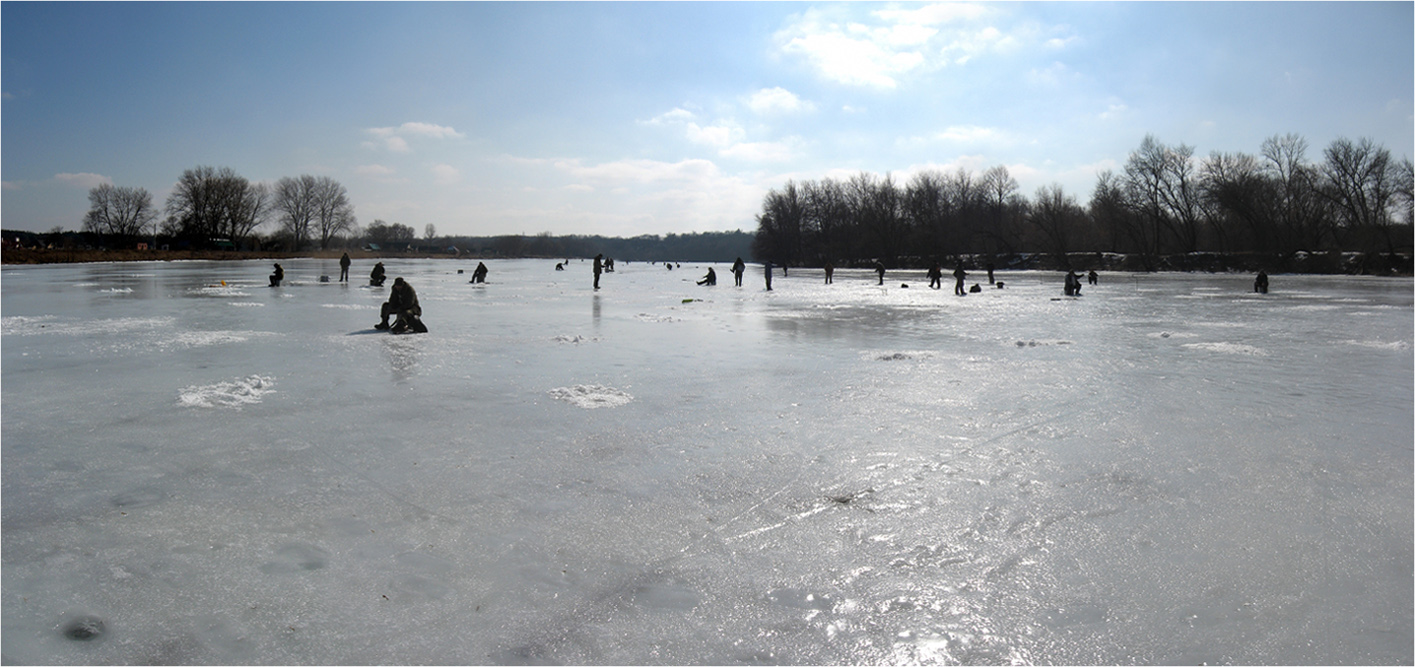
x=402 y=302
x=376 y=276
x=278 y=276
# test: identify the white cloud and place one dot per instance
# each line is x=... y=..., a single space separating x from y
x=964 y=134
x=885 y=47
x=713 y=135
x=760 y=151
x=777 y=101
x=429 y=130
x=854 y=58
x=83 y=180
x=395 y=139
x=677 y=115
x=445 y=174
x=1113 y=110
x=969 y=133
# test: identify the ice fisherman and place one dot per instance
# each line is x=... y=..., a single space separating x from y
x=829 y=272
x=1260 y=284
x=1073 y=284
x=958 y=275
x=1092 y=277
x=767 y=267
x=344 y=263
x=479 y=273
x=990 y=270
x=403 y=303
x=936 y=276
x=738 y=268
x=278 y=276
x=598 y=268
x=710 y=278
x=377 y=275
x=879 y=268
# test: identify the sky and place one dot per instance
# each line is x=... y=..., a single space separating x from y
x=621 y=119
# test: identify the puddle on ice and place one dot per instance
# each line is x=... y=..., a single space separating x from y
x=1167 y=470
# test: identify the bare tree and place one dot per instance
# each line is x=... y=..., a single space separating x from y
x=1405 y=190
x=1058 y=216
x=209 y=203
x=296 y=204
x=1002 y=209
x=119 y=211
x=429 y=231
x=1302 y=215
x=334 y=214
x=250 y=206
x=1161 y=185
x=1126 y=230
x=1361 y=182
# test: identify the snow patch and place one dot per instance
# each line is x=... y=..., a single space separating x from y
x=590 y=396
x=1382 y=345
x=235 y=394
x=1229 y=348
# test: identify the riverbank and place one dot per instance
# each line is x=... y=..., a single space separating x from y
x=70 y=256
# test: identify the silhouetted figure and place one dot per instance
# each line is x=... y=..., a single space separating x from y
x=710 y=278
x=829 y=272
x=278 y=276
x=609 y=265
x=936 y=276
x=479 y=273
x=976 y=288
x=1260 y=284
x=879 y=268
x=402 y=303
x=767 y=267
x=559 y=266
x=958 y=275
x=990 y=270
x=738 y=268
x=1073 y=284
x=1092 y=277
x=344 y=263
x=598 y=269
x=376 y=276
x=783 y=271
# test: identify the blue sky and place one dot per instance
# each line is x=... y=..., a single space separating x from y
x=652 y=118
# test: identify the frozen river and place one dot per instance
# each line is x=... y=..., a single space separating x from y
x=1169 y=469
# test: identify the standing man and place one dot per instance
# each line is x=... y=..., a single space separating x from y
x=598 y=268
x=738 y=268
x=344 y=268
x=959 y=274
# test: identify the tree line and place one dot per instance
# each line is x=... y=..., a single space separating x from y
x=1164 y=202
x=210 y=207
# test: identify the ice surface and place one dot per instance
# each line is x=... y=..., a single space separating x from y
x=1168 y=469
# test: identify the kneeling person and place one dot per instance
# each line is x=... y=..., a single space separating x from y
x=402 y=302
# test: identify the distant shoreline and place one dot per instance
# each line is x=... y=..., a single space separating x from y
x=66 y=256
x=1327 y=263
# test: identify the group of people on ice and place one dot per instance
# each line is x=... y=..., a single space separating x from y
x=402 y=304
